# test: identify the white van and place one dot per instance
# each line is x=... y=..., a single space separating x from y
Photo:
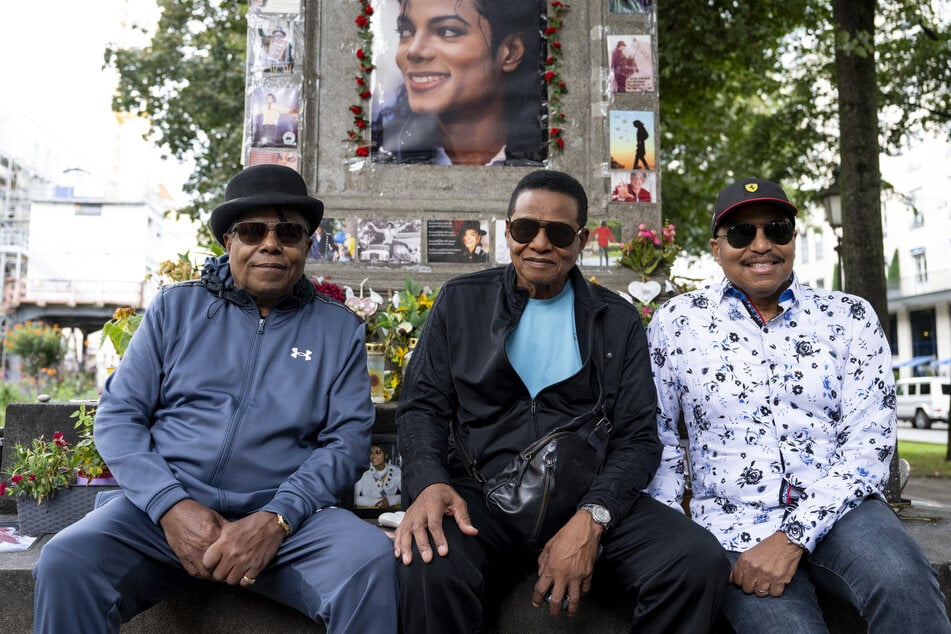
x=923 y=399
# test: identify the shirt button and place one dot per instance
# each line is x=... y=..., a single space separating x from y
x=775 y=401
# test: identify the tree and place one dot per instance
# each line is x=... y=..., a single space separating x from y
x=749 y=88
x=189 y=83
x=40 y=347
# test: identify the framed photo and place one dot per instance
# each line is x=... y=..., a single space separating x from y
x=379 y=489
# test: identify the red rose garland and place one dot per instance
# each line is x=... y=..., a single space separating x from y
x=364 y=55
x=556 y=85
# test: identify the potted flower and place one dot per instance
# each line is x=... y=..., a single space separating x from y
x=43 y=477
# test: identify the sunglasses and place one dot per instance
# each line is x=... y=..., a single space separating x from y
x=560 y=234
x=254 y=232
x=741 y=235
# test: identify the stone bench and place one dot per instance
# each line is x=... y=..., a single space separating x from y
x=211 y=607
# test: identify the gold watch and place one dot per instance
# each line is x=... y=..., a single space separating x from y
x=284 y=525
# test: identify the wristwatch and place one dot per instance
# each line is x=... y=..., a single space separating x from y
x=284 y=525
x=599 y=514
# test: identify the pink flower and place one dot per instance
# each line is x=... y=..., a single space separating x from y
x=16 y=479
x=31 y=478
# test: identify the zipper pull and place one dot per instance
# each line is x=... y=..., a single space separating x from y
x=261 y=325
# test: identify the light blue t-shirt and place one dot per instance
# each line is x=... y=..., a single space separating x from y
x=543 y=348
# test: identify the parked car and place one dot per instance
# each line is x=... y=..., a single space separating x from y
x=923 y=399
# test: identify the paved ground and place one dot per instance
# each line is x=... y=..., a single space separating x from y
x=927 y=492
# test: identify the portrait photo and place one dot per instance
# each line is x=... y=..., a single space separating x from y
x=632 y=140
x=274 y=6
x=271 y=46
x=604 y=243
x=463 y=241
x=322 y=246
x=395 y=241
x=459 y=82
x=274 y=115
x=635 y=186
x=630 y=6
x=502 y=255
x=288 y=158
x=379 y=489
x=631 y=63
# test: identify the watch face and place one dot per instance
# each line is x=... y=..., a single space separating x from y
x=600 y=514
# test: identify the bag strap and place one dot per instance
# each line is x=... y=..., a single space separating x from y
x=596 y=358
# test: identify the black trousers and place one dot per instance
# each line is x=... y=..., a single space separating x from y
x=674 y=570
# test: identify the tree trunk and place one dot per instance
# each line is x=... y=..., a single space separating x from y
x=863 y=254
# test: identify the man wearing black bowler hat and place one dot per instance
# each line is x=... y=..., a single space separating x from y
x=239 y=413
x=789 y=402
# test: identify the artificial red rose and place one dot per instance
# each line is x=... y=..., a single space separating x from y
x=556 y=45
x=561 y=143
x=368 y=10
x=356 y=109
x=360 y=81
x=329 y=288
x=550 y=30
x=365 y=94
x=562 y=85
x=554 y=131
x=549 y=61
x=351 y=133
x=362 y=21
x=557 y=5
x=549 y=76
x=360 y=123
x=361 y=54
x=363 y=150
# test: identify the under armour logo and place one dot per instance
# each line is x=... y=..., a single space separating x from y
x=297 y=353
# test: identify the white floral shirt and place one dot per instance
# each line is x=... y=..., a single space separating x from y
x=790 y=424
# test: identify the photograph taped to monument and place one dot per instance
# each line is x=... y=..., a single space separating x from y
x=274 y=6
x=632 y=140
x=464 y=241
x=275 y=112
x=630 y=6
x=271 y=46
x=631 y=64
x=603 y=248
x=388 y=240
x=441 y=96
x=287 y=158
x=379 y=488
x=634 y=186
x=502 y=255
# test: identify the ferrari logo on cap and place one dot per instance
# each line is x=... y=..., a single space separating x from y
x=751 y=187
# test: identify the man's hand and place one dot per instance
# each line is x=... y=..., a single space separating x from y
x=766 y=569
x=424 y=518
x=190 y=528
x=244 y=548
x=566 y=564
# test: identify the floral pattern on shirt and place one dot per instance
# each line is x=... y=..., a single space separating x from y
x=790 y=423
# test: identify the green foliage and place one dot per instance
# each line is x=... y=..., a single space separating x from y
x=9 y=393
x=87 y=459
x=894 y=271
x=747 y=89
x=40 y=468
x=39 y=345
x=121 y=327
x=189 y=82
x=926 y=459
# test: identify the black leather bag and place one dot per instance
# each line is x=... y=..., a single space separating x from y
x=539 y=491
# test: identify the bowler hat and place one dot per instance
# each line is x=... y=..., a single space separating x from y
x=264 y=186
x=746 y=192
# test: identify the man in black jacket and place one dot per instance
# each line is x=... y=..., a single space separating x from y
x=506 y=355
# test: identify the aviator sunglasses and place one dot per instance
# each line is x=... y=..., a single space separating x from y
x=253 y=232
x=741 y=235
x=560 y=234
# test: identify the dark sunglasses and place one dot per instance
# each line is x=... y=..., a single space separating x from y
x=741 y=235
x=254 y=232
x=560 y=234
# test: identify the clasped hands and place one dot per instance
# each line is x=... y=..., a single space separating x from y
x=565 y=565
x=211 y=547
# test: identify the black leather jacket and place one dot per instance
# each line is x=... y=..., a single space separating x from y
x=459 y=370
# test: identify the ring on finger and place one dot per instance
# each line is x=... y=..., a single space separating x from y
x=760 y=590
x=247 y=581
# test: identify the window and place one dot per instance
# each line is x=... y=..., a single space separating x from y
x=803 y=247
x=893 y=333
x=921 y=265
x=925 y=389
x=818 y=245
x=923 y=340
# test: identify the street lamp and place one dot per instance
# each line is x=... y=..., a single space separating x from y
x=832 y=201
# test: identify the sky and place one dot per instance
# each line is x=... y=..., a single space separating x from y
x=55 y=93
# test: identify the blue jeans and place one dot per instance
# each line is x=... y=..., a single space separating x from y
x=867 y=560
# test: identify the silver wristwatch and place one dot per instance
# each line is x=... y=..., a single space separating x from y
x=599 y=514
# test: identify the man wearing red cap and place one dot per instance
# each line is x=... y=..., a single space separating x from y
x=789 y=403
